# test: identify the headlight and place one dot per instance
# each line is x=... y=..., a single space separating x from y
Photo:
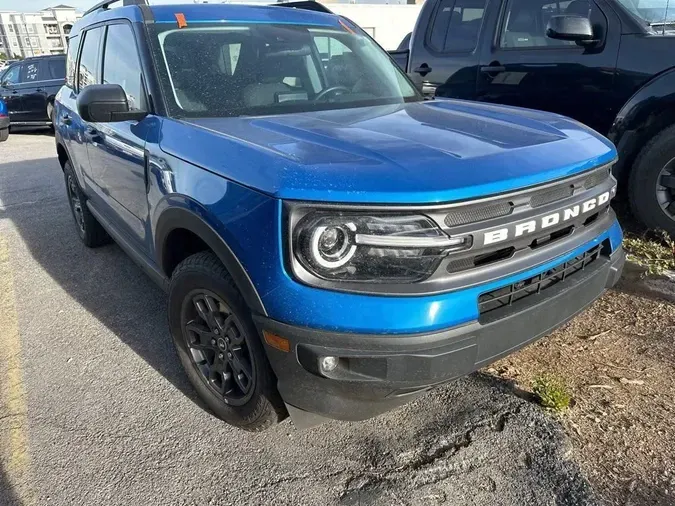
x=371 y=248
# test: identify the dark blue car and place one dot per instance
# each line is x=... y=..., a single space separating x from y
x=332 y=244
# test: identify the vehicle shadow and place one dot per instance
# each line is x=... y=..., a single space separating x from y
x=104 y=281
x=7 y=495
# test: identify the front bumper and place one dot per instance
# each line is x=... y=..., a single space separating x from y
x=379 y=372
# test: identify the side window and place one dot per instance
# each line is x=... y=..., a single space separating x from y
x=456 y=26
x=30 y=72
x=525 y=22
x=342 y=67
x=56 y=68
x=71 y=60
x=89 y=56
x=12 y=75
x=229 y=58
x=122 y=66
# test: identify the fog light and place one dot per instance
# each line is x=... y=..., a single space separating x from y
x=329 y=363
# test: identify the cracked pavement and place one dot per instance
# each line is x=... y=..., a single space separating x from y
x=110 y=418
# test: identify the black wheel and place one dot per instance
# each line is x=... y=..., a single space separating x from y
x=219 y=346
x=50 y=115
x=652 y=183
x=90 y=231
x=4 y=134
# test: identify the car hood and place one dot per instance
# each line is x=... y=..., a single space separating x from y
x=424 y=152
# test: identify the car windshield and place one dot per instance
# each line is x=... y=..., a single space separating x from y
x=655 y=13
x=254 y=69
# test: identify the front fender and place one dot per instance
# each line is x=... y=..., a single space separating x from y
x=180 y=212
x=647 y=112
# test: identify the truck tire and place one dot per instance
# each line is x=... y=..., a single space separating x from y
x=90 y=231
x=651 y=187
x=219 y=347
x=50 y=115
x=4 y=134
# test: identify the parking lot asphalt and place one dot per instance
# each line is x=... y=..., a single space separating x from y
x=96 y=409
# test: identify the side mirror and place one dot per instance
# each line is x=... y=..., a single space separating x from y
x=6 y=84
x=570 y=27
x=106 y=103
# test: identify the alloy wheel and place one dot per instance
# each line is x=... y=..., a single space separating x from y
x=217 y=345
x=665 y=189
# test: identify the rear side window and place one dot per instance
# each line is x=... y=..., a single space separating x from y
x=71 y=60
x=456 y=25
x=121 y=64
x=56 y=68
x=89 y=56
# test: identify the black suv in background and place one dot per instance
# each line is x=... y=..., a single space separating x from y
x=607 y=63
x=28 y=88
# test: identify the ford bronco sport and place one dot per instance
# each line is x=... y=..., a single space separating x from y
x=332 y=244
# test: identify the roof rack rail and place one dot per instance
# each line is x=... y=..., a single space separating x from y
x=308 y=5
x=106 y=3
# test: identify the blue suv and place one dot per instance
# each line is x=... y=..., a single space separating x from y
x=332 y=244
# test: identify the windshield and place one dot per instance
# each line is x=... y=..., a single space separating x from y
x=655 y=13
x=254 y=69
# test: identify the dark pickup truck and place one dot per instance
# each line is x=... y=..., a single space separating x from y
x=606 y=63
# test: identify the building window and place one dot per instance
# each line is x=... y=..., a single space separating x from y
x=31 y=29
x=34 y=42
x=26 y=40
x=11 y=28
x=15 y=43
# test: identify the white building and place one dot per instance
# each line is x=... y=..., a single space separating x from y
x=24 y=34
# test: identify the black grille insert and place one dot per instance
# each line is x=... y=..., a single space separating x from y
x=508 y=295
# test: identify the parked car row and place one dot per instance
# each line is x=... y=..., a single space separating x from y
x=28 y=88
x=606 y=63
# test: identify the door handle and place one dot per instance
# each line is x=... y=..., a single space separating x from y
x=493 y=69
x=39 y=90
x=66 y=119
x=423 y=69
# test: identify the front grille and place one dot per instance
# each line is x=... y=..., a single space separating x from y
x=554 y=194
x=508 y=295
x=478 y=212
x=503 y=206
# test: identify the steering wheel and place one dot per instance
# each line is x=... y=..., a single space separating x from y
x=331 y=89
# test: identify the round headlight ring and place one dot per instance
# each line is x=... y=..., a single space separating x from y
x=332 y=246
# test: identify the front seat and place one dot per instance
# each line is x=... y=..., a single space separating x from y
x=271 y=74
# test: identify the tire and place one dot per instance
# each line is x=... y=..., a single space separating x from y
x=90 y=231
x=657 y=156
x=50 y=115
x=4 y=134
x=201 y=277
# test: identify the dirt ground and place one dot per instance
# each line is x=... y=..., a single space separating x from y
x=618 y=360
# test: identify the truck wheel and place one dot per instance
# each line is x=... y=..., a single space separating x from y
x=219 y=347
x=90 y=231
x=4 y=134
x=50 y=115
x=652 y=183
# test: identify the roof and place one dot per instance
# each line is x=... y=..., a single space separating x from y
x=60 y=6
x=210 y=13
x=228 y=13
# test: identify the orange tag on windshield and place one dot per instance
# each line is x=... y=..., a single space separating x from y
x=180 y=18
